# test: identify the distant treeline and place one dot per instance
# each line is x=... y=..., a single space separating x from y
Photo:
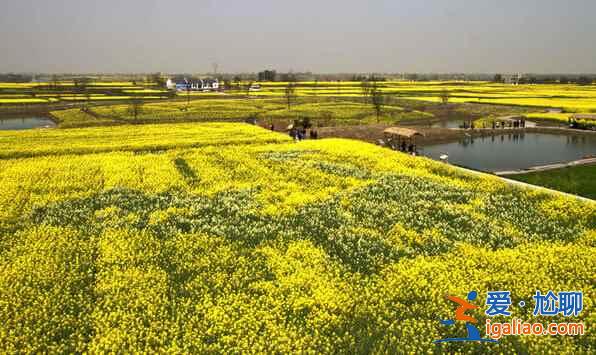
x=582 y=80
x=273 y=75
x=548 y=79
x=15 y=78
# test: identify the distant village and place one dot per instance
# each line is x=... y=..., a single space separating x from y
x=190 y=84
x=212 y=83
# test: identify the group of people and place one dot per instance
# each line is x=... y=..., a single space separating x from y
x=520 y=123
x=468 y=125
x=407 y=148
x=402 y=146
x=300 y=134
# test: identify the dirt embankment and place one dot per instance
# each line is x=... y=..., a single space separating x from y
x=374 y=133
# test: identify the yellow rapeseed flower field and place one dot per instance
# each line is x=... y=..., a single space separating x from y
x=226 y=238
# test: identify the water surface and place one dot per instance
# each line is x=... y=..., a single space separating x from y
x=512 y=151
x=26 y=123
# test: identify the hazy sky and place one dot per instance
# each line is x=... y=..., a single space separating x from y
x=301 y=35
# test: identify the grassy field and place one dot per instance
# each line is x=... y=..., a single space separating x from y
x=12 y=94
x=226 y=238
x=327 y=110
x=534 y=99
x=129 y=138
x=579 y=180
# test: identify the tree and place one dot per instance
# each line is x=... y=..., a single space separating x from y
x=247 y=88
x=365 y=87
x=377 y=100
x=267 y=75
x=85 y=107
x=158 y=80
x=584 y=80
x=227 y=85
x=498 y=78
x=237 y=81
x=286 y=77
x=81 y=87
x=444 y=97
x=135 y=107
x=290 y=93
x=16 y=78
x=54 y=82
x=187 y=96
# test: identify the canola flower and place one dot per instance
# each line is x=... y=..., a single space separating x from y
x=331 y=102
x=208 y=110
x=330 y=246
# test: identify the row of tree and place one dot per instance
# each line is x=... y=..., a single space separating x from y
x=546 y=79
x=371 y=93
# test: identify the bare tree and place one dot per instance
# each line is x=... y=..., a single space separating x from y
x=87 y=101
x=227 y=85
x=377 y=100
x=366 y=88
x=290 y=93
x=54 y=82
x=237 y=80
x=82 y=88
x=158 y=79
x=188 y=87
x=247 y=87
x=444 y=97
x=135 y=107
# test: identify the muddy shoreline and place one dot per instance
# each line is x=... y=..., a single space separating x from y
x=374 y=133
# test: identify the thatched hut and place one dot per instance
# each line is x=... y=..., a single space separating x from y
x=401 y=138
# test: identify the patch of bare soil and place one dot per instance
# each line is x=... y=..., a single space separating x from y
x=374 y=133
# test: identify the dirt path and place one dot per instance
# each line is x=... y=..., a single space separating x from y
x=587 y=161
x=374 y=132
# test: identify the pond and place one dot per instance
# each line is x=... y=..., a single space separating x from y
x=511 y=151
x=458 y=123
x=26 y=123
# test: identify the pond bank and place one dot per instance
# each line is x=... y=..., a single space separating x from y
x=525 y=185
x=374 y=132
x=587 y=161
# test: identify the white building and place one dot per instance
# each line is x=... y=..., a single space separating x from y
x=512 y=79
x=184 y=84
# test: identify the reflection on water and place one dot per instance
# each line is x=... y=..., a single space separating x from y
x=25 y=123
x=512 y=151
x=449 y=124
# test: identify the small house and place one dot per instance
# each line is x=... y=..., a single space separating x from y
x=186 y=84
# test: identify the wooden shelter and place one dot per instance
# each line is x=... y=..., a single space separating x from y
x=402 y=132
x=402 y=138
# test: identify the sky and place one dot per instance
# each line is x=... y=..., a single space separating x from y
x=322 y=36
